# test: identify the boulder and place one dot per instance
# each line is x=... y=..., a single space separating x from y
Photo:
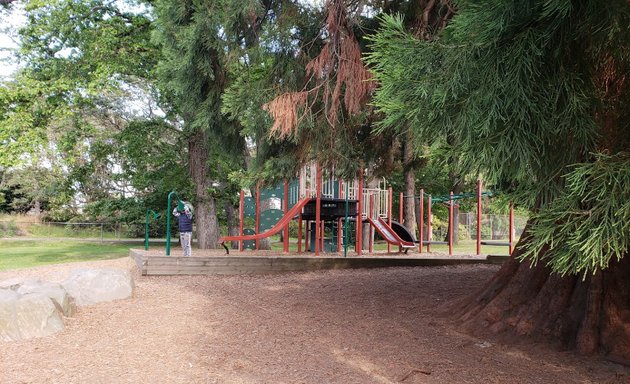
x=54 y=291
x=91 y=286
x=27 y=316
x=9 y=329
x=12 y=284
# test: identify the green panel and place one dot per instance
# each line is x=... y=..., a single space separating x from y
x=250 y=207
x=269 y=218
x=249 y=244
x=267 y=193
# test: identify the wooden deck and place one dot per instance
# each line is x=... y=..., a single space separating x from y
x=152 y=263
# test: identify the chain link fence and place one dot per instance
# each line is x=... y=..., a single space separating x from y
x=75 y=230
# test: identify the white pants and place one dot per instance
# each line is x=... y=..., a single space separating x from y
x=185 y=239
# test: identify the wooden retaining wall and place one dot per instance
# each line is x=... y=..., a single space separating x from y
x=236 y=265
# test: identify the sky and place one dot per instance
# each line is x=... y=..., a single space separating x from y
x=10 y=21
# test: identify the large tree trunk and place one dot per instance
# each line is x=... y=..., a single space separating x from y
x=409 y=206
x=523 y=302
x=205 y=204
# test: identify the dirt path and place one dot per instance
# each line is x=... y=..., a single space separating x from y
x=345 y=326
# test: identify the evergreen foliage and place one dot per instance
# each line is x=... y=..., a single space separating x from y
x=527 y=89
x=589 y=225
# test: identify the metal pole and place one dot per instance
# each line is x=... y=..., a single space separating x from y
x=400 y=214
x=286 y=209
x=146 y=231
x=241 y=214
x=429 y=230
x=478 y=217
x=360 y=211
x=511 y=227
x=168 y=222
x=371 y=233
x=257 y=212
x=421 y=220
x=389 y=212
x=345 y=227
x=450 y=224
x=318 y=208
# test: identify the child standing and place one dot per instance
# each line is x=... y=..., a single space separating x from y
x=184 y=212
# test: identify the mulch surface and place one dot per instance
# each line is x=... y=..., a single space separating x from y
x=339 y=326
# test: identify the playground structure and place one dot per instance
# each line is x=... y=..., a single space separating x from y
x=450 y=201
x=334 y=206
x=324 y=203
x=328 y=208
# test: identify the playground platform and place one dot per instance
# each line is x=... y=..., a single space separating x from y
x=216 y=262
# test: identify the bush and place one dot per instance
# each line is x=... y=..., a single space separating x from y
x=8 y=229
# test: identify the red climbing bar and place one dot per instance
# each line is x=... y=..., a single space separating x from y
x=478 y=217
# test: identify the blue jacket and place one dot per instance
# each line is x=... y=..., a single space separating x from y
x=185 y=220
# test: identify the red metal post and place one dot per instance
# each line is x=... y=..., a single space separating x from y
x=429 y=231
x=285 y=236
x=478 y=217
x=241 y=218
x=371 y=215
x=389 y=213
x=339 y=221
x=257 y=212
x=450 y=225
x=359 y=231
x=421 y=220
x=400 y=209
x=511 y=227
x=318 y=210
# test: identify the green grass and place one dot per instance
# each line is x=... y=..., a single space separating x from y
x=26 y=254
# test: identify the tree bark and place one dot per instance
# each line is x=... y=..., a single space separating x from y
x=530 y=303
x=409 y=207
x=205 y=205
x=232 y=222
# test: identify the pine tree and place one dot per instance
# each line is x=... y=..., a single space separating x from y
x=536 y=95
x=196 y=37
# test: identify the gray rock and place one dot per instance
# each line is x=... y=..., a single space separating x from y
x=12 y=284
x=54 y=291
x=27 y=316
x=91 y=286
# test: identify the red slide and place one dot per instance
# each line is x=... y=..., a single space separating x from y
x=297 y=209
x=389 y=234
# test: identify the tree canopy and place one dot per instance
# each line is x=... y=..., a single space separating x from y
x=528 y=90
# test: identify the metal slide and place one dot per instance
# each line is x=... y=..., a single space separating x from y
x=296 y=210
x=389 y=234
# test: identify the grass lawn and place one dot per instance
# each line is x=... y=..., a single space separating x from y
x=25 y=254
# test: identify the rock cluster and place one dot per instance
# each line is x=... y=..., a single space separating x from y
x=33 y=308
